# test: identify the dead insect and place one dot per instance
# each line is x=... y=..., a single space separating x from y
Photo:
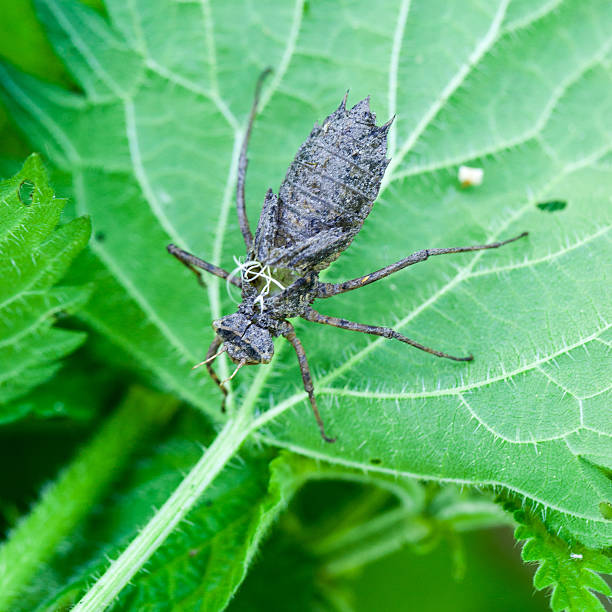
x=328 y=191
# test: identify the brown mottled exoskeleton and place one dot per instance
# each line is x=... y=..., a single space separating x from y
x=328 y=192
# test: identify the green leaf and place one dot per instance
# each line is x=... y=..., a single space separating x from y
x=570 y=572
x=212 y=552
x=202 y=563
x=517 y=88
x=33 y=257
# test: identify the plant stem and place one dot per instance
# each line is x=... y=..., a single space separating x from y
x=68 y=500
x=152 y=536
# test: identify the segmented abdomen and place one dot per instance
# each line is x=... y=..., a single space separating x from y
x=328 y=192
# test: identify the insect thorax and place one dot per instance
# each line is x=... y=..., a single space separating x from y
x=270 y=294
x=265 y=279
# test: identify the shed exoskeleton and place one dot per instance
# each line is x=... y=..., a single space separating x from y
x=329 y=190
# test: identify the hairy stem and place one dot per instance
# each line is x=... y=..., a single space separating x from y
x=67 y=501
x=152 y=536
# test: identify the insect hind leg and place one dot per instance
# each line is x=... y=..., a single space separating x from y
x=375 y=330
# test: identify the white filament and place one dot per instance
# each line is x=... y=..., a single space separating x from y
x=250 y=272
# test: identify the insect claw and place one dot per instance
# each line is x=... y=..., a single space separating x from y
x=468 y=358
x=262 y=78
x=322 y=427
x=327 y=438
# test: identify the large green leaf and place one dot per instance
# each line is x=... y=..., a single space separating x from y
x=34 y=255
x=518 y=88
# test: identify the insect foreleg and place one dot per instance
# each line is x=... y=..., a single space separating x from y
x=306 y=378
x=329 y=289
x=242 y=166
x=375 y=330
x=212 y=349
x=193 y=262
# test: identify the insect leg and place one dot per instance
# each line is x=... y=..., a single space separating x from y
x=375 y=330
x=193 y=262
x=242 y=166
x=329 y=289
x=308 y=386
x=212 y=349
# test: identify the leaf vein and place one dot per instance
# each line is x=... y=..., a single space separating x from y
x=296 y=24
x=540 y=123
x=85 y=51
x=127 y=283
x=528 y=263
x=394 y=68
x=455 y=82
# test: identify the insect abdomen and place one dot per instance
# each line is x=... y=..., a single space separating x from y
x=330 y=188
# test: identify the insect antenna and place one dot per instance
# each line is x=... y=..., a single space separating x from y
x=197 y=365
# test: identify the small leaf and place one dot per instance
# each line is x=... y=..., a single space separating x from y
x=34 y=255
x=570 y=571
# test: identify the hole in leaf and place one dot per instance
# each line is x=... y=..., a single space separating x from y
x=552 y=206
x=375 y=461
x=25 y=192
x=60 y=314
x=606 y=510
